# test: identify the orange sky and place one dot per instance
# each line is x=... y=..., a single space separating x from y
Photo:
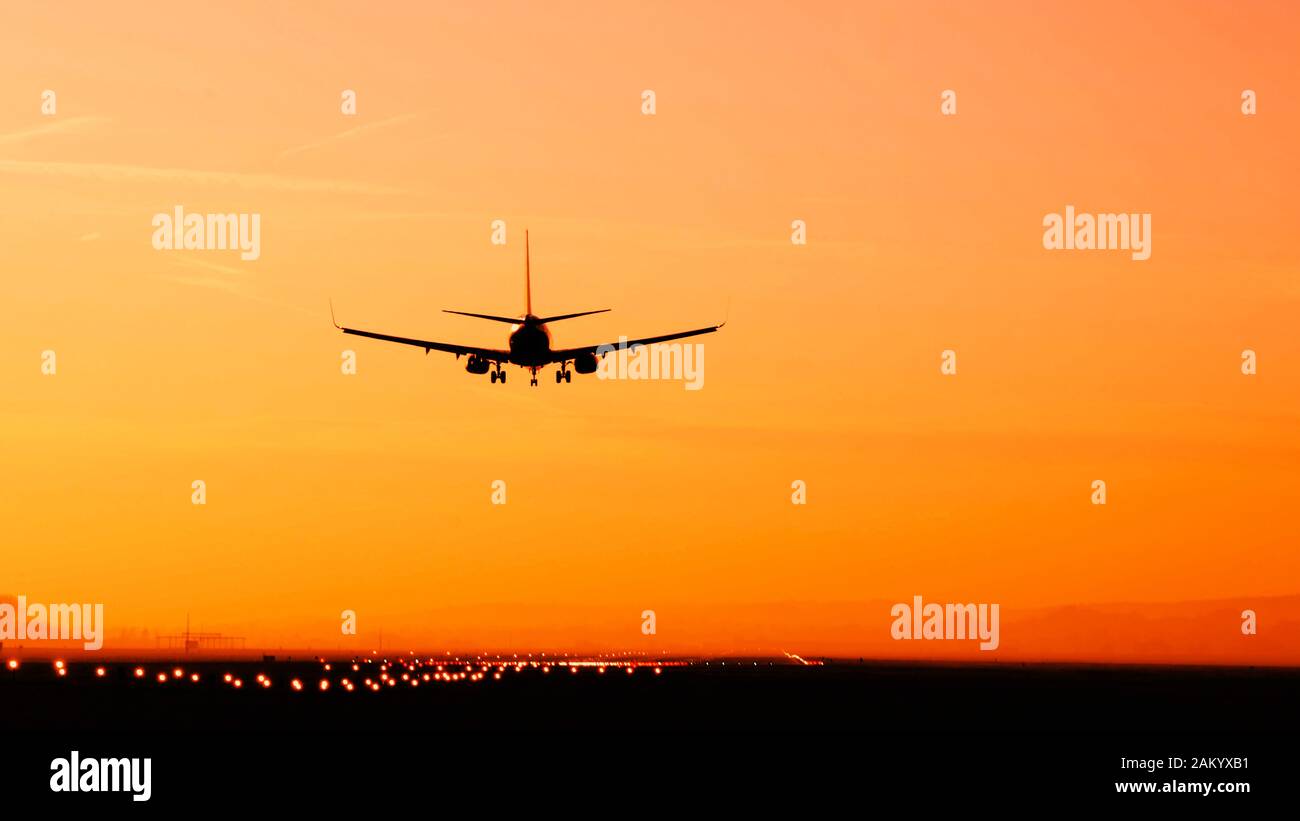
x=372 y=492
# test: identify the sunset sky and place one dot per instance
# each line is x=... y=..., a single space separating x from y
x=372 y=492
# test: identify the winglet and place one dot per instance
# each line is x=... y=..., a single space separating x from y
x=332 y=319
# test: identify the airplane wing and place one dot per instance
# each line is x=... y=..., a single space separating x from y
x=484 y=353
x=570 y=353
x=490 y=354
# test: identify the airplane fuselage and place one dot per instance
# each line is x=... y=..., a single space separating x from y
x=530 y=343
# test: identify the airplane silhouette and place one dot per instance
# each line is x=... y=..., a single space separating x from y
x=530 y=341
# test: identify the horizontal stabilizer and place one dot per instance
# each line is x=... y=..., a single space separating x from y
x=512 y=320
x=546 y=319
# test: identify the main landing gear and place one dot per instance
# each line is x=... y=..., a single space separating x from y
x=564 y=375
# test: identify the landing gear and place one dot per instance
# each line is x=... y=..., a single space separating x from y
x=563 y=375
x=534 y=382
x=499 y=375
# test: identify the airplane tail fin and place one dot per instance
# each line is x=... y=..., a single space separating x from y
x=528 y=299
x=528 y=295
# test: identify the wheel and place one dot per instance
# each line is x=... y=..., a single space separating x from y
x=494 y=377
x=501 y=377
x=568 y=376
x=559 y=377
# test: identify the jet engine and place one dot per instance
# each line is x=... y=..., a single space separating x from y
x=476 y=364
x=585 y=363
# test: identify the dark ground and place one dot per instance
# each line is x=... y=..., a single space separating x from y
x=999 y=730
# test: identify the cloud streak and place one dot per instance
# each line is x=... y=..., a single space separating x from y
x=57 y=126
x=108 y=172
x=242 y=290
x=212 y=266
x=350 y=134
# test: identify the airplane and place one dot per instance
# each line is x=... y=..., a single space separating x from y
x=530 y=341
